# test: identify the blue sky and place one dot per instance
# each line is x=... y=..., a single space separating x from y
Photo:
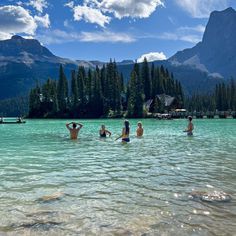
x=104 y=29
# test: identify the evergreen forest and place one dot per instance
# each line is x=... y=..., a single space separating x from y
x=103 y=93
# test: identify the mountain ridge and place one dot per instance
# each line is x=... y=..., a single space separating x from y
x=25 y=62
x=216 y=53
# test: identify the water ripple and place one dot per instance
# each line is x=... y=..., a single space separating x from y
x=107 y=188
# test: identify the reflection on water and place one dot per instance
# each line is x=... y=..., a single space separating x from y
x=50 y=184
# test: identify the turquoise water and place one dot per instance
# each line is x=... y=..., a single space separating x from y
x=103 y=187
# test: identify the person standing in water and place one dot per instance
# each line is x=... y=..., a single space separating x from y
x=125 y=133
x=74 y=131
x=139 y=130
x=103 y=132
x=190 y=127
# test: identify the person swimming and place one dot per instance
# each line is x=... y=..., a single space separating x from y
x=19 y=120
x=74 y=131
x=190 y=127
x=139 y=130
x=103 y=132
x=125 y=133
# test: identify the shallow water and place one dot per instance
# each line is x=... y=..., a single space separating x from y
x=103 y=187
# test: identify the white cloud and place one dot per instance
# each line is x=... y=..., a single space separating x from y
x=202 y=8
x=39 y=5
x=59 y=36
x=191 y=38
x=4 y=36
x=106 y=36
x=67 y=24
x=90 y=15
x=152 y=56
x=185 y=33
x=101 y=11
x=15 y=19
x=130 y=8
x=198 y=28
x=28 y=37
x=43 y=21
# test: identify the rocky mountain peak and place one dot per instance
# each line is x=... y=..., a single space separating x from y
x=18 y=45
x=217 y=51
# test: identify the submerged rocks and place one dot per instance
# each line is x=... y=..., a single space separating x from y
x=52 y=197
x=215 y=196
x=42 y=225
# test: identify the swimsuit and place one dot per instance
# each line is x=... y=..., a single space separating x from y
x=190 y=133
x=103 y=135
x=125 y=140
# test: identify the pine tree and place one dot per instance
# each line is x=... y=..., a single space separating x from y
x=81 y=90
x=155 y=82
x=232 y=95
x=54 y=97
x=156 y=105
x=132 y=95
x=103 y=78
x=224 y=97
x=146 y=79
x=116 y=89
x=62 y=91
x=49 y=103
x=135 y=102
x=35 y=102
x=96 y=98
x=74 y=90
x=89 y=86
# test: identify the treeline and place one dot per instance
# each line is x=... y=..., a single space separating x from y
x=222 y=99
x=102 y=92
x=18 y=106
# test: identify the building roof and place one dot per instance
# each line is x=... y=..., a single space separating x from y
x=148 y=103
x=168 y=100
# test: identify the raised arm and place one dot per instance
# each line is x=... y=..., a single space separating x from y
x=80 y=126
x=68 y=125
x=108 y=132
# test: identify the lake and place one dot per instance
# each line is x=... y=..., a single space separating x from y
x=103 y=187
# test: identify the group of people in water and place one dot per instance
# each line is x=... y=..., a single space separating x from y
x=74 y=129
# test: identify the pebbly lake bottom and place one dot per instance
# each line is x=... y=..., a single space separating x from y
x=52 y=185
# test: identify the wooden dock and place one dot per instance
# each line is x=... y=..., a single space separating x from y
x=204 y=115
x=12 y=120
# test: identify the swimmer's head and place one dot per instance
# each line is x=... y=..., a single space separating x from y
x=126 y=123
x=140 y=124
x=190 y=118
x=103 y=126
x=74 y=125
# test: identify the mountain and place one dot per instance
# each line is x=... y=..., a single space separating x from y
x=24 y=62
x=216 y=54
x=209 y=62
